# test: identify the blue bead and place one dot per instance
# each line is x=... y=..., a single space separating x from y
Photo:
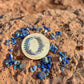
x=14 y=67
x=8 y=42
x=34 y=68
x=48 y=66
x=61 y=54
x=12 y=38
x=25 y=28
x=31 y=69
x=47 y=70
x=49 y=56
x=34 y=28
x=68 y=58
x=10 y=56
x=30 y=28
x=58 y=33
x=63 y=62
x=40 y=28
x=13 y=41
x=21 y=36
x=43 y=69
x=11 y=63
x=15 y=62
x=52 y=36
x=7 y=62
x=18 y=63
x=17 y=35
x=25 y=33
x=45 y=27
x=67 y=61
x=45 y=31
x=47 y=74
x=37 y=29
x=21 y=30
x=62 y=68
x=17 y=66
x=49 y=28
x=39 y=65
x=42 y=66
x=11 y=49
x=63 y=65
x=41 y=75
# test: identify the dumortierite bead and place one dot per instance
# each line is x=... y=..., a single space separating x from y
x=49 y=56
x=39 y=65
x=37 y=29
x=67 y=61
x=42 y=66
x=13 y=42
x=58 y=33
x=17 y=35
x=17 y=66
x=43 y=69
x=45 y=28
x=34 y=68
x=11 y=63
x=52 y=36
x=22 y=65
x=18 y=63
x=48 y=66
x=15 y=62
x=8 y=42
x=21 y=30
x=21 y=36
x=47 y=70
x=63 y=62
x=10 y=57
x=63 y=65
x=25 y=33
x=14 y=67
x=31 y=69
x=68 y=58
x=62 y=68
x=25 y=28
x=61 y=54
x=41 y=75
x=45 y=31
x=34 y=28
x=11 y=49
x=12 y=38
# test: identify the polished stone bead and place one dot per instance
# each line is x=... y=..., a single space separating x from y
x=13 y=42
x=17 y=35
x=15 y=67
x=42 y=66
x=25 y=33
x=47 y=70
x=43 y=69
x=22 y=65
x=31 y=69
x=49 y=28
x=63 y=62
x=25 y=28
x=34 y=28
x=15 y=62
x=12 y=38
x=7 y=62
x=37 y=29
x=10 y=56
x=68 y=58
x=49 y=56
x=21 y=30
x=8 y=42
x=62 y=68
x=47 y=74
x=67 y=61
x=45 y=31
x=39 y=65
x=61 y=54
x=21 y=36
x=52 y=36
x=18 y=63
x=11 y=49
x=63 y=65
x=34 y=68
x=11 y=63
x=41 y=75
x=48 y=66
x=30 y=28
x=58 y=33
x=45 y=28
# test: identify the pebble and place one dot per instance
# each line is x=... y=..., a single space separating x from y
x=8 y=42
x=13 y=42
x=22 y=65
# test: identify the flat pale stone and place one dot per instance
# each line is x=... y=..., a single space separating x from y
x=35 y=46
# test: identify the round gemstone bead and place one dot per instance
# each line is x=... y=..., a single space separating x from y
x=13 y=41
x=62 y=68
x=11 y=49
x=8 y=42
